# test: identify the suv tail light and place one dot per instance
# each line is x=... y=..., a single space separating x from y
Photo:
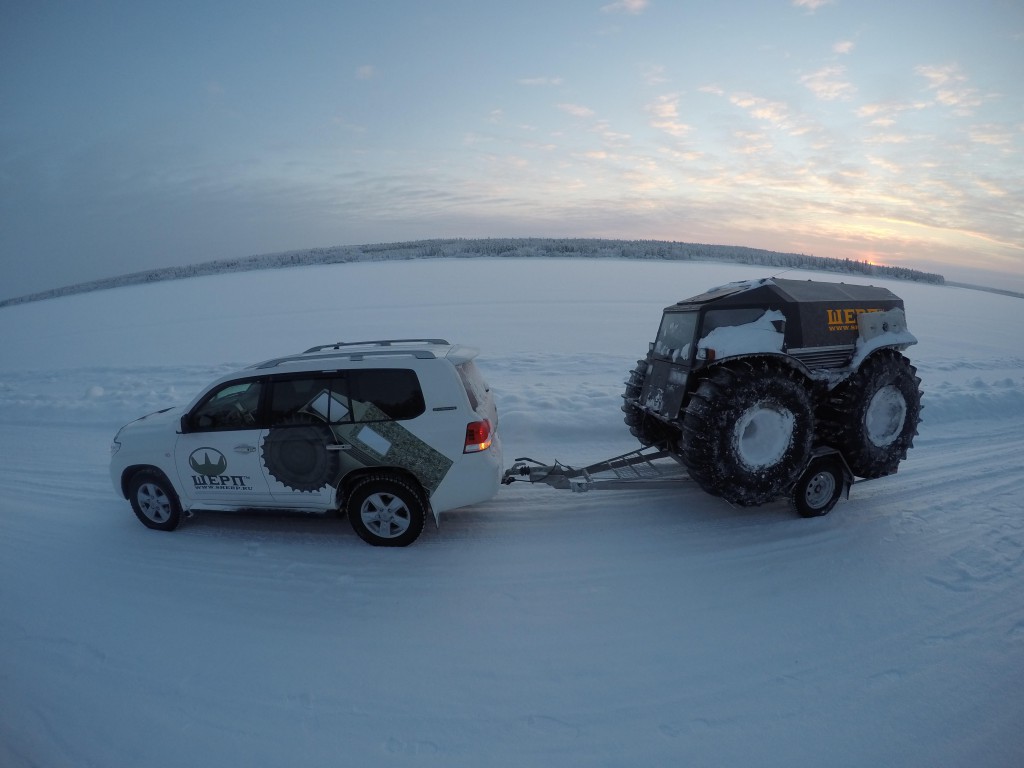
x=478 y=436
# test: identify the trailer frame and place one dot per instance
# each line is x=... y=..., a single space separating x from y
x=825 y=478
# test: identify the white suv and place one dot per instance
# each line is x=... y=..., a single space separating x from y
x=381 y=430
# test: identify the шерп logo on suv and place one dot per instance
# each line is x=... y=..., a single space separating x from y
x=206 y=466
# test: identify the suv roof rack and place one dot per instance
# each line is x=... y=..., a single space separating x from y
x=419 y=354
x=376 y=343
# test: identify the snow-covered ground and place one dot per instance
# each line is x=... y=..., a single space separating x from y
x=640 y=628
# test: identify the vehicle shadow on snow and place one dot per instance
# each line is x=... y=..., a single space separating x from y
x=278 y=523
x=522 y=514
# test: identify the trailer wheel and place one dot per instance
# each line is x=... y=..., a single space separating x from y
x=818 y=488
x=873 y=416
x=747 y=431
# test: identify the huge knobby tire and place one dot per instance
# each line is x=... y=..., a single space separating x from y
x=873 y=416
x=748 y=431
x=646 y=429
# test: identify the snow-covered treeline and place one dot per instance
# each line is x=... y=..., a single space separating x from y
x=498 y=247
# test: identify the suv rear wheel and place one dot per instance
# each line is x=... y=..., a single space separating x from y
x=747 y=431
x=386 y=511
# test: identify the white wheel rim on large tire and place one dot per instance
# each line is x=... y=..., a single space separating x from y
x=153 y=502
x=385 y=515
x=762 y=436
x=885 y=416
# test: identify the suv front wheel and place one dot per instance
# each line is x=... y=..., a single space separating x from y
x=154 y=501
x=386 y=511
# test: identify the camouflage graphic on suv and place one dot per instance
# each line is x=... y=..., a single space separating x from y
x=307 y=454
x=387 y=442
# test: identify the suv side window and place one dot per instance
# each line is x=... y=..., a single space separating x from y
x=234 y=405
x=384 y=394
x=720 y=318
x=311 y=398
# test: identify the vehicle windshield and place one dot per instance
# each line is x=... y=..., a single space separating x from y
x=676 y=335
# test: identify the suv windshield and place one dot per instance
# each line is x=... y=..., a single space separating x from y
x=676 y=334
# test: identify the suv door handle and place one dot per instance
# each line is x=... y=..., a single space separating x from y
x=339 y=447
x=244 y=448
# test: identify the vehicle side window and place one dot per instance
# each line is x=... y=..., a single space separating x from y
x=721 y=318
x=315 y=398
x=234 y=406
x=385 y=394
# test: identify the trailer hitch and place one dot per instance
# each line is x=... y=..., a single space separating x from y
x=635 y=469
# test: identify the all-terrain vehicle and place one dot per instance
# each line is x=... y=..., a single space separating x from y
x=772 y=387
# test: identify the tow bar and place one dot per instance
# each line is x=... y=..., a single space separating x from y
x=636 y=469
x=823 y=481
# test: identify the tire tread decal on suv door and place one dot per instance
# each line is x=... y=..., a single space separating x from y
x=296 y=455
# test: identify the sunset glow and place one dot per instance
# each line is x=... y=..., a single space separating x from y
x=137 y=135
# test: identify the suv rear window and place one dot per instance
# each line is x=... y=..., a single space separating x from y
x=394 y=391
x=474 y=383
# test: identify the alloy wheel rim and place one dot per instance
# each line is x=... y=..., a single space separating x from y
x=385 y=515
x=154 y=503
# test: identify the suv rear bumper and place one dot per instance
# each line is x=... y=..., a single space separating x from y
x=474 y=478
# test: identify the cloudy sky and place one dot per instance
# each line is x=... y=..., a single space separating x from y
x=137 y=134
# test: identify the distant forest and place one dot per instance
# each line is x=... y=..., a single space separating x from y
x=518 y=248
